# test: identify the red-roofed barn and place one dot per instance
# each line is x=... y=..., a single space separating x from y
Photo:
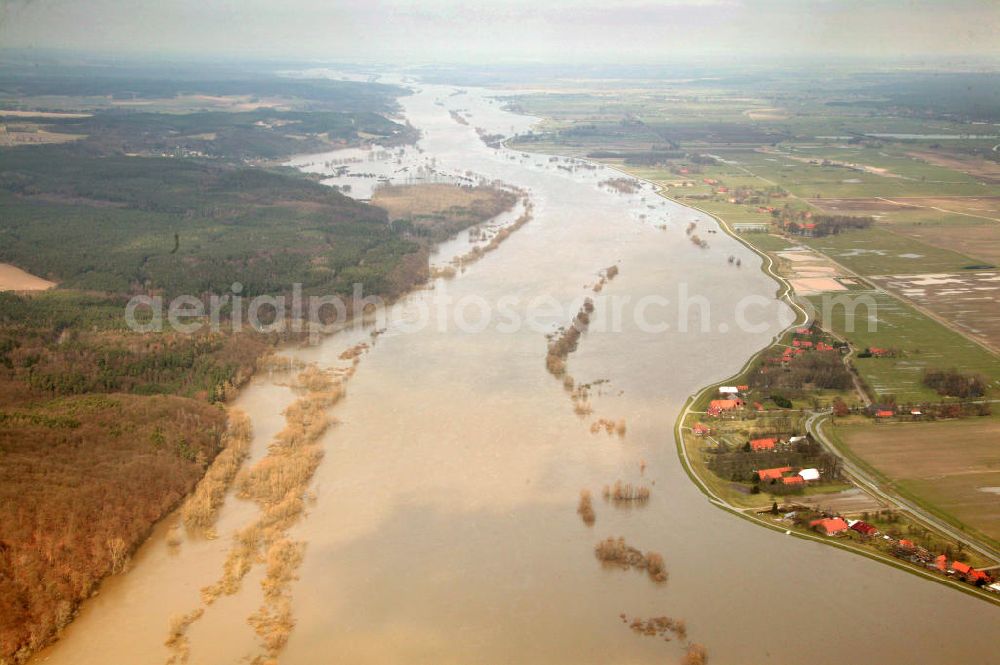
x=758 y=445
x=830 y=526
x=773 y=474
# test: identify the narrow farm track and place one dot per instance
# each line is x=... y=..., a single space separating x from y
x=864 y=480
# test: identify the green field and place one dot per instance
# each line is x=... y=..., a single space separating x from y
x=794 y=172
x=922 y=344
x=877 y=251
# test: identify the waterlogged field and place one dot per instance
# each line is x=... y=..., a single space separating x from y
x=920 y=343
x=968 y=300
x=879 y=251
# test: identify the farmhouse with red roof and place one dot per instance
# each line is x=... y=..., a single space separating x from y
x=717 y=406
x=864 y=528
x=830 y=525
x=757 y=445
x=773 y=474
x=961 y=568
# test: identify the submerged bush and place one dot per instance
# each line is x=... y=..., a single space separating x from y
x=585 y=509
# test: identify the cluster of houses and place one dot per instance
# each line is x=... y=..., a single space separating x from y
x=731 y=399
x=800 y=347
x=718 y=407
x=885 y=411
x=902 y=548
x=787 y=476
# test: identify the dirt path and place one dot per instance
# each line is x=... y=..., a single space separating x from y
x=944 y=210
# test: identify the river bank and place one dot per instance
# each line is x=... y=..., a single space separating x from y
x=444 y=525
x=686 y=421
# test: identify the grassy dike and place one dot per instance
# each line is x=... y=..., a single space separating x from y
x=702 y=480
x=784 y=293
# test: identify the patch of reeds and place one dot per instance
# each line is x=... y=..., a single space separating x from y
x=608 y=426
x=279 y=363
x=273 y=622
x=565 y=340
x=283 y=559
x=177 y=641
x=606 y=276
x=661 y=626
x=240 y=558
x=656 y=567
x=616 y=552
x=498 y=238
x=585 y=508
x=278 y=483
x=696 y=654
x=354 y=352
x=626 y=493
x=622 y=185
x=202 y=507
x=602 y=424
x=446 y=272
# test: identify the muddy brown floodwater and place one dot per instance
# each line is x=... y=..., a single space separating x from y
x=444 y=525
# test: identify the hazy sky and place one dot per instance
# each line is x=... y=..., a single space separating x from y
x=512 y=30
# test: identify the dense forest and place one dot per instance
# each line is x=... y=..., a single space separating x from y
x=801 y=221
x=137 y=224
x=103 y=431
x=82 y=480
x=114 y=80
x=259 y=134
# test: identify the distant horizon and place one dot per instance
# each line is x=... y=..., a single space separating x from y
x=442 y=32
x=903 y=62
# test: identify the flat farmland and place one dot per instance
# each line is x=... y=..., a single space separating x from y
x=968 y=300
x=980 y=240
x=921 y=344
x=966 y=225
x=871 y=206
x=878 y=251
x=982 y=207
x=950 y=467
x=807 y=175
x=981 y=169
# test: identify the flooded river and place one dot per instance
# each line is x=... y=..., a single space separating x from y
x=444 y=526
